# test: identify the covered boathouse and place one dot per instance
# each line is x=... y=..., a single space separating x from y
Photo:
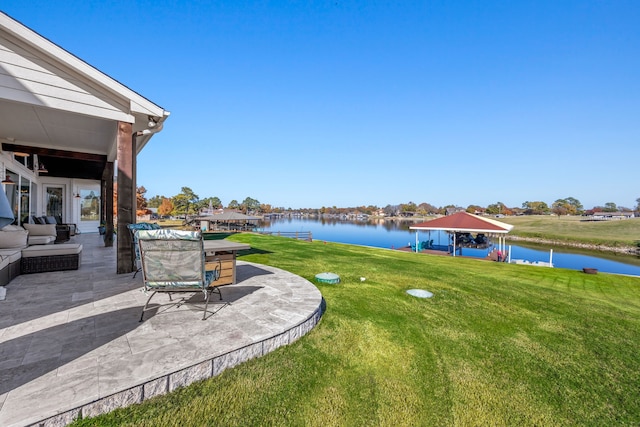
x=460 y=227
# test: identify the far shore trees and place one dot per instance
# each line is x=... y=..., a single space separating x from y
x=213 y=202
x=188 y=203
x=155 y=201
x=141 y=202
x=535 y=208
x=250 y=205
x=428 y=209
x=185 y=203
x=391 y=210
x=568 y=206
x=472 y=209
x=165 y=208
x=408 y=209
x=498 y=208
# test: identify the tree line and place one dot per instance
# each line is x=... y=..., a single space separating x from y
x=566 y=206
x=188 y=203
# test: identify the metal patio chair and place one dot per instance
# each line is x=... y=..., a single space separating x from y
x=133 y=228
x=174 y=261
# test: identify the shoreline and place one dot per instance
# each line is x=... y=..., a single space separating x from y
x=626 y=250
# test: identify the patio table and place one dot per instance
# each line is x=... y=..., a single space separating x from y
x=226 y=252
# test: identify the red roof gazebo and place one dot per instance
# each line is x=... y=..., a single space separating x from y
x=463 y=222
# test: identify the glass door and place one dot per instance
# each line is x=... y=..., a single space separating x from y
x=25 y=200
x=54 y=201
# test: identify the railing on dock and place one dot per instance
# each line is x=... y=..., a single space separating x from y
x=298 y=235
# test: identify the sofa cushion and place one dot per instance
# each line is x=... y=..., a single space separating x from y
x=40 y=240
x=52 y=250
x=12 y=255
x=13 y=239
x=41 y=229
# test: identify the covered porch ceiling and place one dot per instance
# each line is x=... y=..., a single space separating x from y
x=64 y=164
x=69 y=144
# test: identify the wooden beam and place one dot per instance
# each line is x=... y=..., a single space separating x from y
x=126 y=156
x=54 y=153
x=107 y=203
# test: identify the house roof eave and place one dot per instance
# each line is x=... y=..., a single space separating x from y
x=137 y=103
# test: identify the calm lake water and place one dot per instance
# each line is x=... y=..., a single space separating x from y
x=395 y=234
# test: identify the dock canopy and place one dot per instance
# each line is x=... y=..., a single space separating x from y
x=463 y=222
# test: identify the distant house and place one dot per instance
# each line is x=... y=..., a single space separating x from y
x=149 y=216
x=605 y=216
x=450 y=211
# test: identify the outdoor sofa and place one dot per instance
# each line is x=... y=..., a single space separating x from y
x=31 y=249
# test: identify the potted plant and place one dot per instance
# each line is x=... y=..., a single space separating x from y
x=102 y=229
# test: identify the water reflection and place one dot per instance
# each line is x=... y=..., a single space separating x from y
x=610 y=256
x=388 y=225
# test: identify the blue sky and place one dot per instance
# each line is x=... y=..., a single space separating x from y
x=348 y=103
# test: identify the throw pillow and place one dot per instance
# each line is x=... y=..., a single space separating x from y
x=13 y=239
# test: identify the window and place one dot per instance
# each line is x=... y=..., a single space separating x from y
x=89 y=205
x=11 y=190
x=25 y=199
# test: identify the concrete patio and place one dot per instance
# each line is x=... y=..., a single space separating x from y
x=71 y=343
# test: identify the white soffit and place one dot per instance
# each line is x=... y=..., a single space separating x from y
x=137 y=103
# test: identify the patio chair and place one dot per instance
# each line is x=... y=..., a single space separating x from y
x=63 y=231
x=133 y=228
x=73 y=228
x=174 y=261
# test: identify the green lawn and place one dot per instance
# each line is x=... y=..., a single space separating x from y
x=573 y=228
x=498 y=344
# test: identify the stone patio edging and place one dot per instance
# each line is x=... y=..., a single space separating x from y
x=183 y=377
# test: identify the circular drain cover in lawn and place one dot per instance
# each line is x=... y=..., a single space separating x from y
x=328 y=278
x=420 y=293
